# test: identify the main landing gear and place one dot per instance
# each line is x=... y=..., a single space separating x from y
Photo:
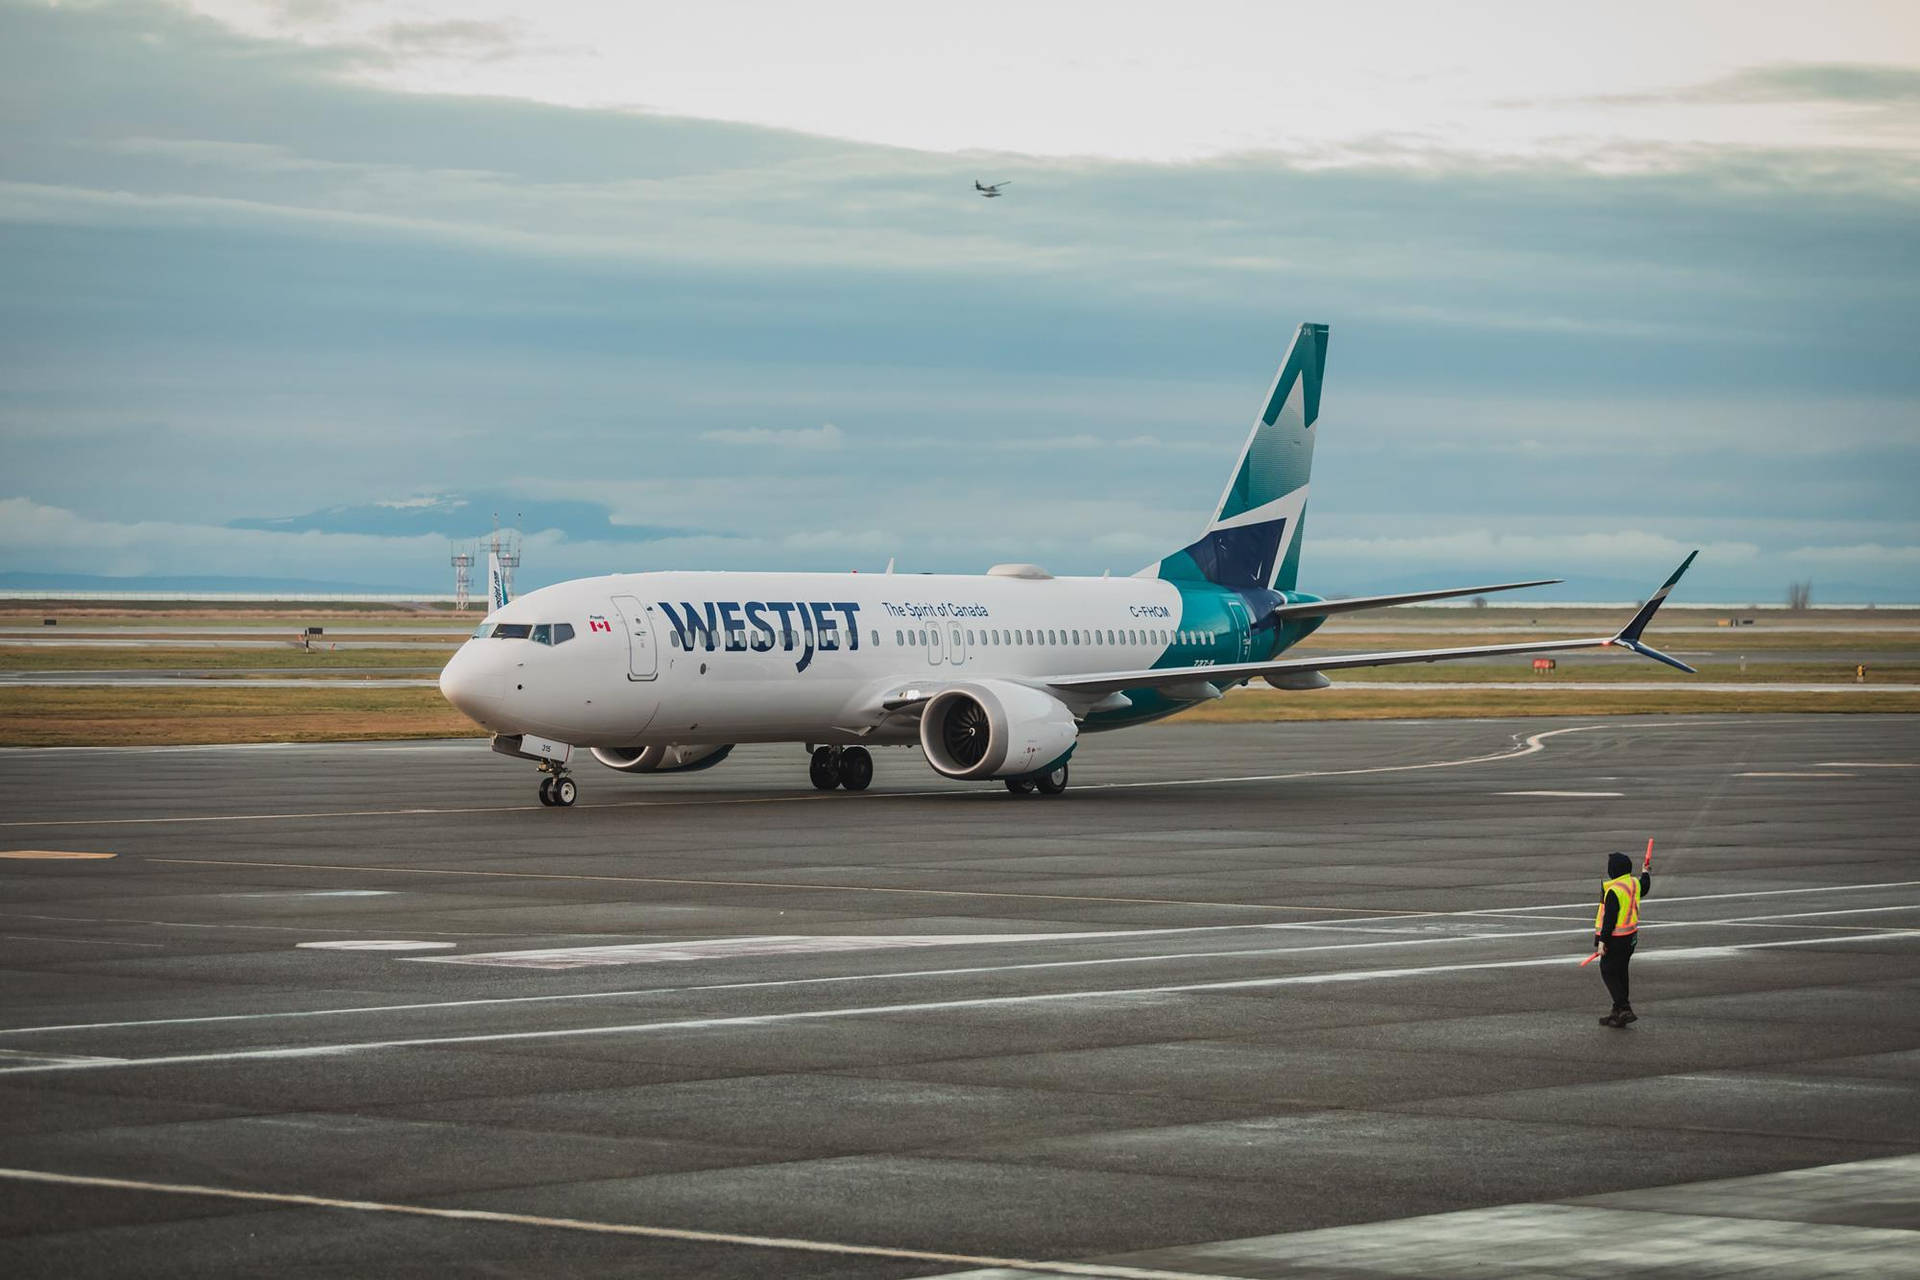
x=558 y=790
x=1048 y=782
x=849 y=767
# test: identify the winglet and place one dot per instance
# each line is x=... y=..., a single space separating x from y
x=1629 y=637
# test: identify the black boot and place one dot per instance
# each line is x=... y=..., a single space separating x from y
x=1612 y=1020
x=1627 y=1015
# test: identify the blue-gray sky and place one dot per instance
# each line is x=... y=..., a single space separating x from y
x=276 y=300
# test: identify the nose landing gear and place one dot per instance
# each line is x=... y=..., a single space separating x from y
x=849 y=767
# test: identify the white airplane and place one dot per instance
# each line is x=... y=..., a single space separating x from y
x=992 y=676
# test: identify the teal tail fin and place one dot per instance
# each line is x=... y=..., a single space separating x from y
x=1253 y=539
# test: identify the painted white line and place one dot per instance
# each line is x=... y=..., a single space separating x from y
x=1766 y=774
x=56 y=1059
x=1802 y=915
x=1866 y=764
x=375 y=944
x=316 y=893
x=1528 y=746
x=941 y=1006
x=798 y=944
x=790 y=1244
x=1782 y=1082
x=1571 y=795
x=97 y=942
x=250 y=928
x=639 y=992
x=1704 y=897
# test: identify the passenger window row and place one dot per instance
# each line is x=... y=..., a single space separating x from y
x=538 y=632
x=1021 y=637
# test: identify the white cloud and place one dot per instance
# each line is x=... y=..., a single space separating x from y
x=825 y=436
x=1080 y=441
x=1866 y=558
x=1508 y=78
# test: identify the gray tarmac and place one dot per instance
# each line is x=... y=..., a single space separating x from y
x=1248 y=1000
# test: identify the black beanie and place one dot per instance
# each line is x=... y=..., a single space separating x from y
x=1618 y=864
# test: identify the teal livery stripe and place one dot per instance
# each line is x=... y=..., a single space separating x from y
x=1279 y=454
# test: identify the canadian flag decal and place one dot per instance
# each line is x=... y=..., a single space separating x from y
x=599 y=624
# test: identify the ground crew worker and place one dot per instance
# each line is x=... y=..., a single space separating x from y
x=1616 y=927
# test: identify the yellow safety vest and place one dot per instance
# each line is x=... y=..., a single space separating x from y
x=1627 y=920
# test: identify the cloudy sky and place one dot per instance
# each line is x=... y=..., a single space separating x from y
x=306 y=288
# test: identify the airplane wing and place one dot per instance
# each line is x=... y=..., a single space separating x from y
x=1322 y=608
x=1203 y=682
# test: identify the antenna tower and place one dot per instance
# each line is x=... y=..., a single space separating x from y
x=462 y=561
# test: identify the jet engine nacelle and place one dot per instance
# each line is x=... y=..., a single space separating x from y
x=994 y=729
x=666 y=759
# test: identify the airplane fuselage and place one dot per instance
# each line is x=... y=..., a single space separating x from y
x=695 y=658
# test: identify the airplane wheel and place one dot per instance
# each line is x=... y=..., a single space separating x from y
x=856 y=768
x=1020 y=786
x=546 y=791
x=824 y=769
x=565 y=792
x=1053 y=781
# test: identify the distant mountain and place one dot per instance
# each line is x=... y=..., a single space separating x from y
x=463 y=517
x=14 y=581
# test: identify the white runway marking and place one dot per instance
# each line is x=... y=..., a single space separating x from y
x=98 y=942
x=795 y=944
x=1571 y=795
x=250 y=928
x=1765 y=774
x=1528 y=746
x=375 y=944
x=637 y=992
x=790 y=1244
x=55 y=1059
x=1866 y=764
x=943 y=1006
x=315 y=893
x=1708 y=897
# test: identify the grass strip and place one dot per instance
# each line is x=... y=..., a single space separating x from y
x=104 y=658
x=1255 y=705
x=54 y=717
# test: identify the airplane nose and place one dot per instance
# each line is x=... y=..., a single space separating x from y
x=463 y=684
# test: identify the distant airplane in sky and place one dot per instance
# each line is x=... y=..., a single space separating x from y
x=991 y=190
x=992 y=676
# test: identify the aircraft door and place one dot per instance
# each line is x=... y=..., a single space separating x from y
x=643 y=663
x=1242 y=627
x=936 y=651
x=957 y=650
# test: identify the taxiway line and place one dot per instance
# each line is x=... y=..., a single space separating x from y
x=1525 y=747
x=788 y=1243
x=930 y=1006
x=630 y=993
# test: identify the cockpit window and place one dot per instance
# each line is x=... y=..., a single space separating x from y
x=562 y=632
x=512 y=631
x=542 y=633
x=479 y=632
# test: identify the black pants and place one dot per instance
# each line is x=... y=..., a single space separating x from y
x=1613 y=969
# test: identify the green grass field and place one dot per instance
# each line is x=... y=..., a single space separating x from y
x=290 y=658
